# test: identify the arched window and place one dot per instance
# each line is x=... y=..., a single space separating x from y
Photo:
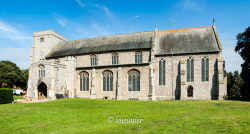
x=115 y=58
x=107 y=81
x=162 y=72
x=190 y=91
x=41 y=71
x=134 y=80
x=84 y=81
x=138 y=57
x=190 y=70
x=205 y=69
x=93 y=60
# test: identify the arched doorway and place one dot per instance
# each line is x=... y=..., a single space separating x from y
x=42 y=91
x=190 y=91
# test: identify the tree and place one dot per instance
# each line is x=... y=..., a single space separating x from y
x=243 y=48
x=11 y=74
x=234 y=85
x=229 y=84
x=23 y=78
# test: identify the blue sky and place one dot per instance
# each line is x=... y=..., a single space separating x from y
x=76 y=19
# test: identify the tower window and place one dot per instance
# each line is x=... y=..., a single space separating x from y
x=42 y=39
x=41 y=71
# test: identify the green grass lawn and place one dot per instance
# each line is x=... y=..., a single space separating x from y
x=91 y=116
x=17 y=97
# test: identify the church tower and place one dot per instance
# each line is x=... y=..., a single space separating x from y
x=43 y=42
x=41 y=71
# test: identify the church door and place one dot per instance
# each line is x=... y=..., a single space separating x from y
x=42 y=91
x=190 y=91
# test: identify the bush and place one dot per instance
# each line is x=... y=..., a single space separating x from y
x=6 y=95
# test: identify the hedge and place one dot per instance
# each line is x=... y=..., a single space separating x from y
x=6 y=95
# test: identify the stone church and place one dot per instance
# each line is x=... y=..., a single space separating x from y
x=176 y=64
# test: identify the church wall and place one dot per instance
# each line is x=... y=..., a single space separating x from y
x=82 y=94
x=144 y=83
x=60 y=83
x=32 y=87
x=106 y=58
x=202 y=90
x=100 y=94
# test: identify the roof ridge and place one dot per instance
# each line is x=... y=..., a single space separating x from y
x=185 y=28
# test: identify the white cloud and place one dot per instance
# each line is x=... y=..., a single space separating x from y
x=60 y=19
x=233 y=60
x=93 y=30
x=20 y=56
x=80 y=3
x=62 y=22
x=78 y=30
x=137 y=16
x=14 y=40
x=194 y=5
x=5 y=27
x=105 y=9
x=11 y=32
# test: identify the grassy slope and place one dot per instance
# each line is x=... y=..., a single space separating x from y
x=90 y=116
